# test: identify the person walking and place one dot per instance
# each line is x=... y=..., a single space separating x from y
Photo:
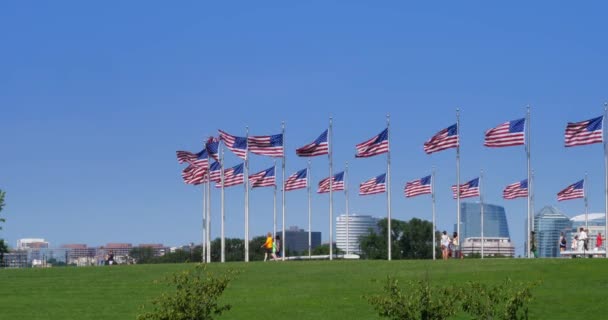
x=456 y=252
x=276 y=248
x=267 y=246
x=445 y=244
x=598 y=241
x=562 y=242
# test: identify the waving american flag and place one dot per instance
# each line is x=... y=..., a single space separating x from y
x=374 y=146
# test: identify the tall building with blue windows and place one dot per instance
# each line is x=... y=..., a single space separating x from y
x=494 y=221
x=549 y=222
x=496 y=240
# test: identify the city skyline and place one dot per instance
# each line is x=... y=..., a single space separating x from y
x=93 y=112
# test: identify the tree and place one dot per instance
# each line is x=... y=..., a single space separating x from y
x=410 y=240
x=235 y=249
x=417 y=239
x=3 y=246
x=142 y=254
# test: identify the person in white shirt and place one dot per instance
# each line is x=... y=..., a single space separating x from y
x=582 y=238
x=445 y=244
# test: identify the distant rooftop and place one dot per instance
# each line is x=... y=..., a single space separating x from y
x=591 y=216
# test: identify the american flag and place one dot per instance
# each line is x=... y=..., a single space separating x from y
x=418 y=187
x=373 y=186
x=238 y=145
x=297 y=180
x=233 y=176
x=318 y=147
x=467 y=190
x=264 y=178
x=337 y=185
x=516 y=190
x=573 y=191
x=584 y=132
x=212 y=147
x=374 y=146
x=194 y=174
x=266 y=145
x=216 y=172
x=185 y=156
x=200 y=159
x=510 y=133
x=444 y=139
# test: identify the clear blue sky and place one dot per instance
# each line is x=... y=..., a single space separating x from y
x=96 y=98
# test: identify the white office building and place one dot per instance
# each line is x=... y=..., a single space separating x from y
x=31 y=243
x=358 y=225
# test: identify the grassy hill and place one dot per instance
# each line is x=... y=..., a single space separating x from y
x=570 y=289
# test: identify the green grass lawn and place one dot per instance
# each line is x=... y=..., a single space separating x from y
x=570 y=289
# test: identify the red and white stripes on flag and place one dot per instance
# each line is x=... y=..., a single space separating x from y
x=444 y=139
x=584 y=132
x=337 y=184
x=266 y=145
x=233 y=176
x=573 y=191
x=374 y=146
x=316 y=148
x=373 y=186
x=298 y=180
x=238 y=145
x=264 y=178
x=516 y=190
x=186 y=156
x=215 y=173
x=193 y=174
x=467 y=190
x=418 y=187
x=510 y=133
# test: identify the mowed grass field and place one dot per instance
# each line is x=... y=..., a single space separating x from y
x=570 y=289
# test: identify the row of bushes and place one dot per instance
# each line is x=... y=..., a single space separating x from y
x=419 y=300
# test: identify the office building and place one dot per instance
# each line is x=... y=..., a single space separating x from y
x=358 y=225
x=549 y=222
x=495 y=230
x=296 y=240
x=31 y=243
x=494 y=221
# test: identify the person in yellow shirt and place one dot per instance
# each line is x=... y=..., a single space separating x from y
x=267 y=246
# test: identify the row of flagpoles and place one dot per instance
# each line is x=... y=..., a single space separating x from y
x=511 y=133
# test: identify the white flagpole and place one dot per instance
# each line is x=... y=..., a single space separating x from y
x=222 y=235
x=458 y=182
x=347 y=213
x=274 y=207
x=481 y=207
x=204 y=243
x=246 y=178
x=283 y=195
x=208 y=207
x=586 y=203
x=309 y=213
x=434 y=222
x=331 y=199
x=605 y=176
x=388 y=187
x=529 y=218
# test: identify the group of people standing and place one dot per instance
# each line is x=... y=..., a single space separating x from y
x=580 y=242
x=272 y=248
x=449 y=247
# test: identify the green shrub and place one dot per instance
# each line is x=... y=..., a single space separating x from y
x=195 y=296
x=420 y=301
x=506 y=301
